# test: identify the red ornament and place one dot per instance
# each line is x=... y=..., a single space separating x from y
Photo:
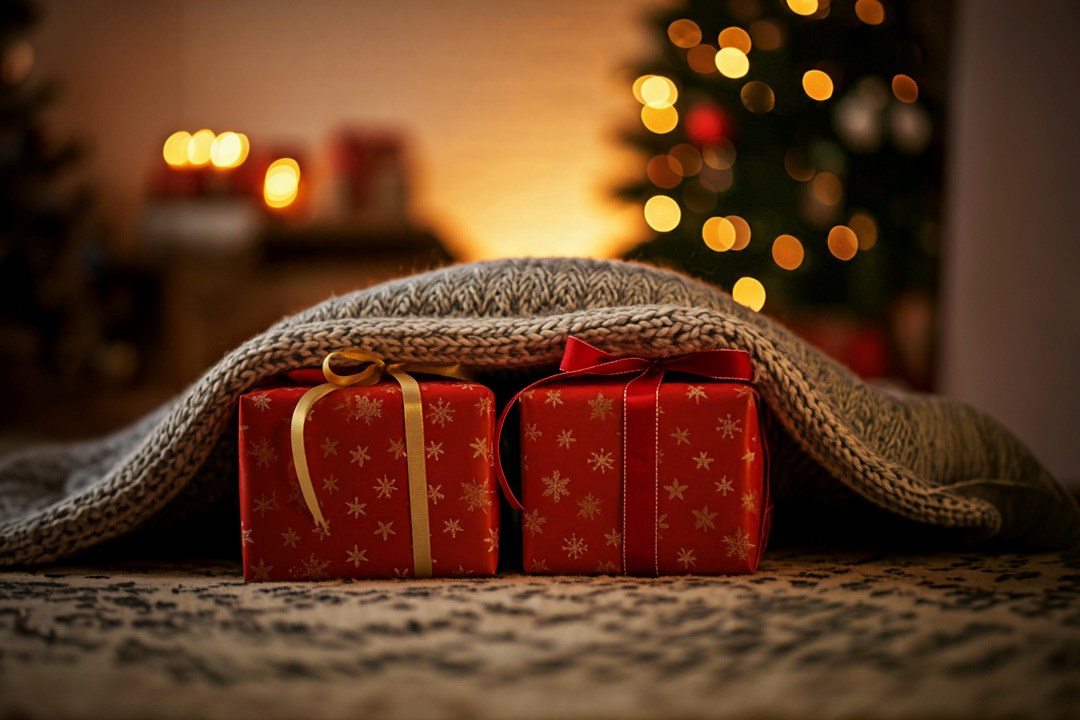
x=706 y=124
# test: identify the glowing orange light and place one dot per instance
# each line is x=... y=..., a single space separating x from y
x=905 y=88
x=719 y=234
x=664 y=171
x=662 y=213
x=842 y=242
x=732 y=62
x=176 y=148
x=659 y=92
x=198 y=149
x=735 y=37
x=702 y=59
x=817 y=84
x=659 y=120
x=787 y=252
x=827 y=188
x=750 y=292
x=282 y=183
x=766 y=35
x=864 y=227
x=684 y=33
x=688 y=158
x=803 y=7
x=742 y=232
x=757 y=97
x=870 y=12
x=228 y=150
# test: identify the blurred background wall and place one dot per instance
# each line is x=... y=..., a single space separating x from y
x=510 y=113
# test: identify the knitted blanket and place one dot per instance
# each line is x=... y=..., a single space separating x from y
x=927 y=465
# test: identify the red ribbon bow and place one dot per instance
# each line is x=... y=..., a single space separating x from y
x=641 y=470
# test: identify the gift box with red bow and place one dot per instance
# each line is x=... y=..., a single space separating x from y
x=367 y=475
x=643 y=467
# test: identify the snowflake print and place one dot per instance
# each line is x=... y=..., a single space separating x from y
x=723 y=486
x=661 y=525
x=323 y=530
x=749 y=456
x=743 y=391
x=600 y=407
x=589 y=507
x=264 y=453
x=261 y=571
x=553 y=398
x=675 y=490
x=682 y=436
x=397 y=449
x=290 y=537
x=696 y=393
x=452 y=526
x=476 y=496
x=261 y=401
x=481 y=449
x=401 y=573
x=385 y=486
x=613 y=538
x=555 y=485
x=441 y=412
x=728 y=426
x=356 y=556
x=703 y=461
x=601 y=461
x=704 y=519
x=265 y=504
x=566 y=439
x=365 y=408
x=534 y=522
x=386 y=529
x=606 y=567
x=315 y=568
x=483 y=406
x=359 y=455
x=329 y=484
x=357 y=508
x=574 y=547
x=329 y=447
x=532 y=432
x=434 y=450
x=738 y=544
x=492 y=540
x=540 y=566
x=245 y=536
x=435 y=494
x=686 y=557
x=749 y=501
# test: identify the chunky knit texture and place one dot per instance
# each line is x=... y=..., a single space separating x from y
x=927 y=459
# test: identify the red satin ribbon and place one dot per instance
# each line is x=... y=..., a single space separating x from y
x=641 y=471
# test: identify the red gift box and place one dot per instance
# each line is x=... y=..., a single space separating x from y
x=694 y=498
x=355 y=444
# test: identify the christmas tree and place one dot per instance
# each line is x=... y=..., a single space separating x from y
x=44 y=311
x=791 y=150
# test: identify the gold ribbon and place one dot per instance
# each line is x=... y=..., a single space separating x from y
x=370 y=374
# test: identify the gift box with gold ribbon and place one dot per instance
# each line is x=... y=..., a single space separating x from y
x=370 y=473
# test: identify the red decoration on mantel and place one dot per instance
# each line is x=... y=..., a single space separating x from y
x=625 y=470
x=355 y=443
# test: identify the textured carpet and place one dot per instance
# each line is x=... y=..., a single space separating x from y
x=810 y=635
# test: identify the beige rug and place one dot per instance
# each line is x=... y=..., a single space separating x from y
x=822 y=635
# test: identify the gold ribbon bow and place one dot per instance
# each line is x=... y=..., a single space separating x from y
x=370 y=374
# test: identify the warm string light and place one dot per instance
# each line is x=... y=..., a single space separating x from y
x=282 y=183
x=225 y=151
x=750 y=292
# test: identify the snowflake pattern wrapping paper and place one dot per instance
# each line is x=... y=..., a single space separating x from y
x=356 y=453
x=711 y=490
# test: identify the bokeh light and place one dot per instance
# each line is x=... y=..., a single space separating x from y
x=659 y=120
x=717 y=181
x=719 y=155
x=659 y=92
x=865 y=229
x=664 y=171
x=228 y=150
x=843 y=243
x=797 y=167
x=803 y=7
x=766 y=35
x=742 y=232
x=817 y=84
x=905 y=88
x=787 y=252
x=757 y=97
x=662 y=213
x=719 y=234
x=702 y=59
x=688 y=159
x=732 y=62
x=684 y=33
x=198 y=149
x=175 y=150
x=282 y=183
x=735 y=37
x=750 y=292
x=827 y=188
x=871 y=12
